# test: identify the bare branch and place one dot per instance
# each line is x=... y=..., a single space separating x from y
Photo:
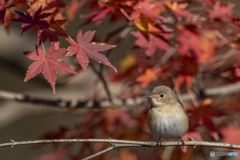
x=166 y=57
x=100 y=76
x=124 y=143
x=99 y=153
x=124 y=30
x=129 y=102
x=114 y=145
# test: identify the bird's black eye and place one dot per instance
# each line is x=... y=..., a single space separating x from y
x=161 y=95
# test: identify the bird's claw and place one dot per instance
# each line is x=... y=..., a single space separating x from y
x=181 y=140
x=159 y=142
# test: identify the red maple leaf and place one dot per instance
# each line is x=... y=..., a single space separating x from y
x=48 y=64
x=96 y=16
x=110 y=7
x=83 y=49
x=188 y=70
x=203 y=115
x=190 y=42
x=199 y=45
x=148 y=10
x=151 y=44
x=220 y=11
x=3 y=7
x=35 y=20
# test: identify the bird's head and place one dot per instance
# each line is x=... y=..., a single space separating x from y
x=163 y=95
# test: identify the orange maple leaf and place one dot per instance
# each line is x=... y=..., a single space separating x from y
x=149 y=76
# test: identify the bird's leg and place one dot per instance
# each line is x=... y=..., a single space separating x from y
x=181 y=141
x=159 y=142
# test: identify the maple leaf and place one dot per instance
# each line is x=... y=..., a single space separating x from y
x=149 y=76
x=112 y=8
x=151 y=44
x=185 y=78
x=198 y=45
x=131 y=66
x=126 y=70
x=128 y=62
x=73 y=7
x=85 y=50
x=179 y=9
x=149 y=10
x=190 y=43
x=220 y=11
x=48 y=64
x=29 y=21
x=52 y=32
x=3 y=7
x=146 y=17
x=189 y=69
x=96 y=16
x=146 y=24
x=203 y=115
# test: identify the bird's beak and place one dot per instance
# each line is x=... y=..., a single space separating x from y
x=149 y=96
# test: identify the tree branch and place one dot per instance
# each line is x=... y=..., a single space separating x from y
x=165 y=58
x=100 y=76
x=130 y=102
x=99 y=153
x=124 y=143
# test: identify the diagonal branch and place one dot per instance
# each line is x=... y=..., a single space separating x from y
x=114 y=146
x=166 y=57
x=124 y=30
x=99 y=153
x=124 y=144
x=100 y=76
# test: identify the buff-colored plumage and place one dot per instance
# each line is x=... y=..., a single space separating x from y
x=167 y=118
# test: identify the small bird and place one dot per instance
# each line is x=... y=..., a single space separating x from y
x=167 y=117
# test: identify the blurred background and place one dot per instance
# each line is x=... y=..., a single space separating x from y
x=26 y=121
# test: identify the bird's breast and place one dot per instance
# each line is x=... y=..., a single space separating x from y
x=167 y=122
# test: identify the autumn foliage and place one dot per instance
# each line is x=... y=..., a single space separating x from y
x=189 y=45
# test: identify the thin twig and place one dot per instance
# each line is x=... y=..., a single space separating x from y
x=114 y=146
x=99 y=153
x=193 y=98
x=219 y=60
x=124 y=143
x=225 y=40
x=125 y=14
x=100 y=76
x=165 y=58
x=122 y=35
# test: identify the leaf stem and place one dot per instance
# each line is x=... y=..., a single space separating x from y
x=43 y=49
